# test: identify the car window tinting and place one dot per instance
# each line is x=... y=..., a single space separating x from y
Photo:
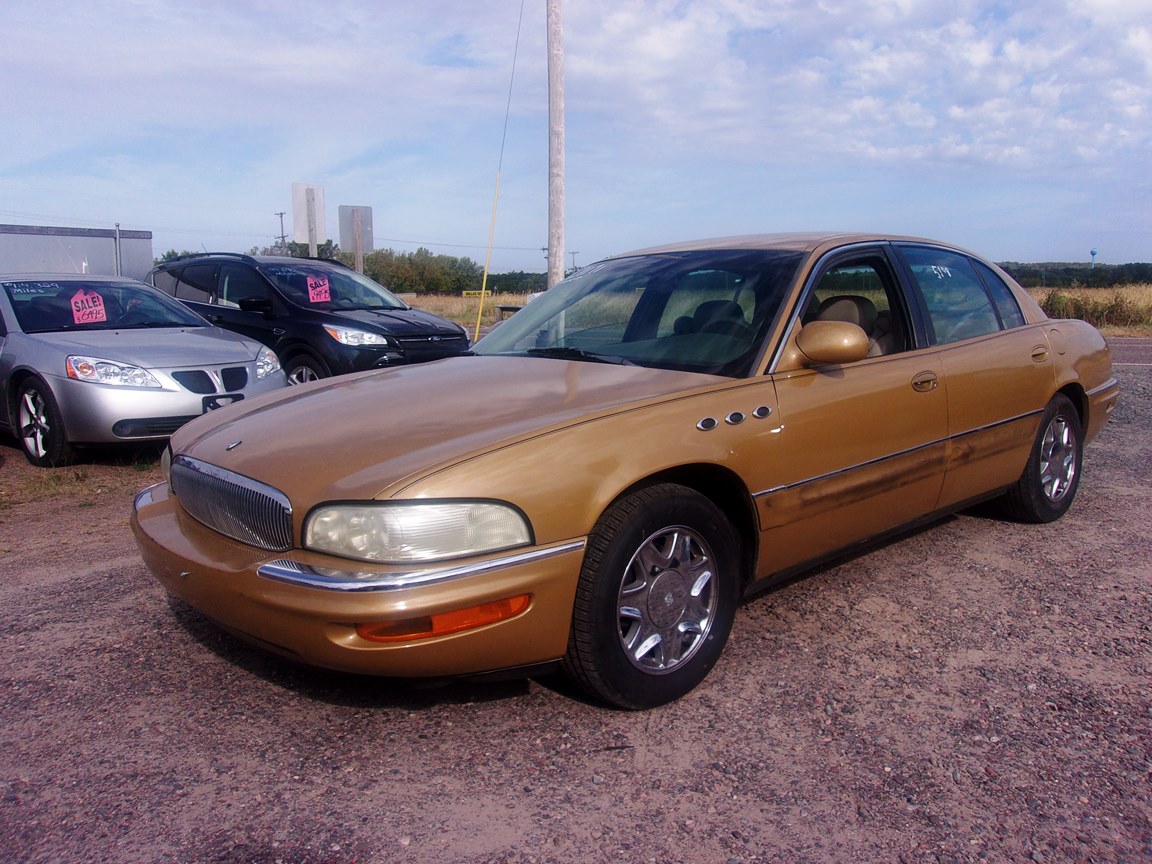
x=958 y=305
x=44 y=306
x=705 y=311
x=196 y=283
x=238 y=282
x=1002 y=295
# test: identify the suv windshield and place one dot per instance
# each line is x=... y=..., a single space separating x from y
x=47 y=305
x=330 y=288
x=705 y=311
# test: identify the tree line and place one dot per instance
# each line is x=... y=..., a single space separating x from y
x=1057 y=275
x=422 y=272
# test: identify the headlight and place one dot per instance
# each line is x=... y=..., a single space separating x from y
x=107 y=372
x=391 y=532
x=348 y=336
x=267 y=362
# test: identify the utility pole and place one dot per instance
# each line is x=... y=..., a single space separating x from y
x=283 y=238
x=555 y=144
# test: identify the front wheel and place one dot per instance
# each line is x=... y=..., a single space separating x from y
x=1045 y=490
x=40 y=426
x=304 y=368
x=656 y=598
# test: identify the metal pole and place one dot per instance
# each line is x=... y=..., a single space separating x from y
x=555 y=144
x=116 y=243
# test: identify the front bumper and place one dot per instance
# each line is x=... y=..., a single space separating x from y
x=105 y=414
x=306 y=606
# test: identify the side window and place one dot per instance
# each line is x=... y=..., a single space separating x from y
x=958 y=306
x=196 y=283
x=238 y=282
x=1002 y=296
x=165 y=280
x=862 y=292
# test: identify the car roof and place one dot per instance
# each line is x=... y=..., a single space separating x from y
x=67 y=277
x=284 y=260
x=799 y=241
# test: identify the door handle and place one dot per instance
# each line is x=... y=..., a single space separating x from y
x=1040 y=353
x=925 y=382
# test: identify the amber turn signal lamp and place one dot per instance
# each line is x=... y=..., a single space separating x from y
x=443 y=623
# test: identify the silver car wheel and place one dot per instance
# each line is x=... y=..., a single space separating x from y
x=1058 y=459
x=302 y=375
x=34 y=424
x=667 y=600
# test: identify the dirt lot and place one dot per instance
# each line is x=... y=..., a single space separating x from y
x=979 y=691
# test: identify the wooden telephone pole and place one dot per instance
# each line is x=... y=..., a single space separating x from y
x=555 y=144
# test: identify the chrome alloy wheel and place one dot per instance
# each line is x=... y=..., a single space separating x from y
x=34 y=423
x=667 y=600
x=1058 y=458
x=302 y=375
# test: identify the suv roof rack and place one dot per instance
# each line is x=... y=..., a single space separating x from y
x=254 y=260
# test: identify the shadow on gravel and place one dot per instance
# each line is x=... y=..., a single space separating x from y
x=111 y=454
x=339 y=688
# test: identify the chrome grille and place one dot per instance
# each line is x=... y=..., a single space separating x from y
x=236 y=506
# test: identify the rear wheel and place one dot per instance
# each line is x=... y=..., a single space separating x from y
x=304 y=368
x=1045 y=490
x=40 y=426
x=656 y=598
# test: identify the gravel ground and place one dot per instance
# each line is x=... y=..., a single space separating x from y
x=977 y=691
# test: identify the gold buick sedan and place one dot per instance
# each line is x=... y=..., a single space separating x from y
x=610 y=471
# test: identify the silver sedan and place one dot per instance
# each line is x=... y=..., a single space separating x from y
x=101 y=359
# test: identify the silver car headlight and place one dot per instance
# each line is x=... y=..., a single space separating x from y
x=108 y=372
x=412 y=531
x=267 y=363
x=349 y=336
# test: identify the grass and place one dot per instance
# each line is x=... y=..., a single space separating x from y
x=97 y=473
x=463 y=310
x=1122 y=311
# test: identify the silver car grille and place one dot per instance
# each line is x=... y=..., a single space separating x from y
x=236 y=506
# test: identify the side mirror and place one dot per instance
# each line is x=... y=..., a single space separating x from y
x=256 y=304
x=832 y=343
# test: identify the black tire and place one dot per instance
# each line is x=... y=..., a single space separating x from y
x=1045 y=490
x=656 y=598
x=304 y=368
x=40 y=426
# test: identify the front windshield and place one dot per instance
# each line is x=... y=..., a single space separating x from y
x=330 y=288
x=50 y=305
x=704 y=311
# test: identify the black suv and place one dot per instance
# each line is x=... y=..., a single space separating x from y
x=319 y=316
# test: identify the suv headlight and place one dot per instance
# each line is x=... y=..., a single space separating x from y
x=108 y=372
x=267 y=363
x=349 y=336
x=405 y=532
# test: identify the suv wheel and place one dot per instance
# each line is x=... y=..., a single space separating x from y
x=304 y=368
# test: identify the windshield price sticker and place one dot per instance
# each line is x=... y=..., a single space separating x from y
x=88 y=307
x=318 y=290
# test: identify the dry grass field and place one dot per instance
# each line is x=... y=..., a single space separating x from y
x=1122 y=311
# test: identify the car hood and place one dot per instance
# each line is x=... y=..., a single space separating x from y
x=361 y=436
x=401 y=322
x=159 y=348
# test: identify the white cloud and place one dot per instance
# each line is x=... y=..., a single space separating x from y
x=684 y=116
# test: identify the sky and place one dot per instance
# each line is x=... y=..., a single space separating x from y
x=1021 y=129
